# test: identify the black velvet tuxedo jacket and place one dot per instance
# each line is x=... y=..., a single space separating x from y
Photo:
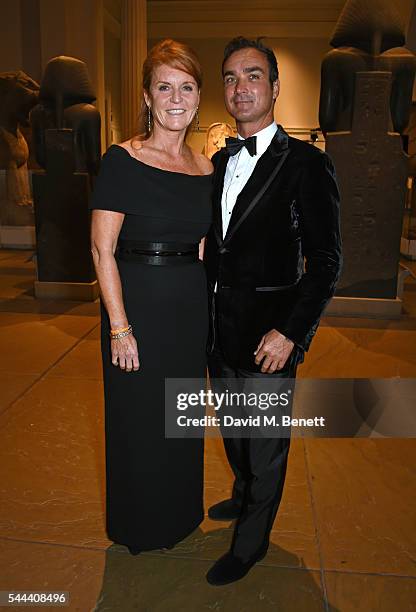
x=279 y=262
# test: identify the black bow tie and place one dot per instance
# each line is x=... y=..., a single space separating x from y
x=234 y=145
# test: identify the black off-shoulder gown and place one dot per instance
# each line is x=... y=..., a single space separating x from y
x=154 y=485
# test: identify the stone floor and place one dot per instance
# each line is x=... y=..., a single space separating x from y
x=344 y=538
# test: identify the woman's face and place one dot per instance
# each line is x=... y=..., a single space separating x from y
x=173 y=98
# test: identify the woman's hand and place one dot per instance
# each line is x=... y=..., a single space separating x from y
x=124 y=353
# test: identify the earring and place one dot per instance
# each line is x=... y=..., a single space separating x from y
x=149 y=119
x=197 y=119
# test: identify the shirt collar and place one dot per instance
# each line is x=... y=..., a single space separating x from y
x=264 y=138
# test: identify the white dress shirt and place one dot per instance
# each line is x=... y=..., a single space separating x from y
x=238 y=171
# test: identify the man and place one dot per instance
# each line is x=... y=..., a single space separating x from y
x=273 y=258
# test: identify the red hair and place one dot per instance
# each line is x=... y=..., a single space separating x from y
x=171 y=53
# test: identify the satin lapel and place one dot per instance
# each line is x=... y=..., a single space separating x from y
x=220 y=168
x=265 y=172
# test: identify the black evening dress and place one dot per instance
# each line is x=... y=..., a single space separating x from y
x=154 y=485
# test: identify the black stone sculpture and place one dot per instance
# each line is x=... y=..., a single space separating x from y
x=366 y=93
x=66 y=137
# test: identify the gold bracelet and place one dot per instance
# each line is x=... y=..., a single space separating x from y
x=114 y=334
x=121 y=335
x=120 y=329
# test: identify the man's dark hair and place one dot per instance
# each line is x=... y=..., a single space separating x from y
x=238 y=43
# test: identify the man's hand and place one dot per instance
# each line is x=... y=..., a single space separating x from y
x=275 y=349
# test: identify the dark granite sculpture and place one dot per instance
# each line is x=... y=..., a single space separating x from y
x=18 y=95
x=366 y=93
x=66 y=130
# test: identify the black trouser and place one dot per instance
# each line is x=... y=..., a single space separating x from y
x=259 y=464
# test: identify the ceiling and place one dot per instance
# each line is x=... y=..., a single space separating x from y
x=225 y=18
x=228 y=18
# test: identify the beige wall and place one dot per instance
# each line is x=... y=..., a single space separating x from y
x=299 y=66
x=300 y=79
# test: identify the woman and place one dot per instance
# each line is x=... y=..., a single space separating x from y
x=152 y=208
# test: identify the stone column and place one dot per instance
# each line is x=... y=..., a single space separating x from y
x=133 y=54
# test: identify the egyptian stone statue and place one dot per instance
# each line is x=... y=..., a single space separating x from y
x=366 y=94
x=369 y=36
x=215 y=138
x=66 y=97
x=66 y=137
x=18 y=95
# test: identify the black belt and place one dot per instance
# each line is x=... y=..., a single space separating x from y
x=157 y=253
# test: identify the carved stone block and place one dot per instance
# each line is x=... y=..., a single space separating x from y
x=372 y=169
x=62 y=215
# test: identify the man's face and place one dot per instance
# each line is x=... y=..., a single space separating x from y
x=249 y=95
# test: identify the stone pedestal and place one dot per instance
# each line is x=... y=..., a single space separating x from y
x=370 y=308
x=64 y=262
x=367 y=308
x=17 y=223
x=372 y=171
x=80 y=292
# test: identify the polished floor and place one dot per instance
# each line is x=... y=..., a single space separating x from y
x=344 y=538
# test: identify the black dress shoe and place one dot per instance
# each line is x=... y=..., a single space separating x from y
x=226 y=510
x=230 y=568
x=133 y=550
